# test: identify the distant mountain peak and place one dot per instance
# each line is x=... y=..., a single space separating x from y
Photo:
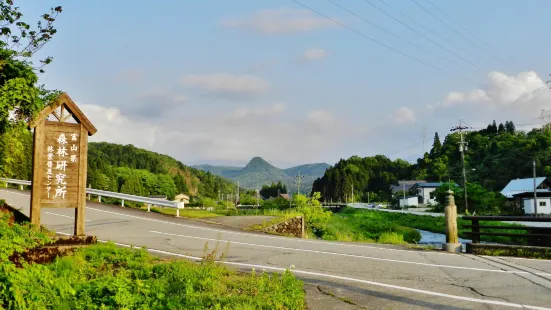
x=259 y=164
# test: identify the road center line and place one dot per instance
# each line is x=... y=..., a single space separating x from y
x=62 y=215
x=267 y=237
x=264 y=236
x=395 y=287
x=351 y=255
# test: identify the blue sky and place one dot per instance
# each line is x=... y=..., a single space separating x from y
x=222 y=81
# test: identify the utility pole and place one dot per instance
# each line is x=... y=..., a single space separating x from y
x=299 y=177
x=535 y=191
x=424 y=140
x=462 y=148
x=545 y=118
x=404 y=191
x=237 y=196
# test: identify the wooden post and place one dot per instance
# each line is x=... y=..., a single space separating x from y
x=82 y=173
x=37 y=173
x=452 y=244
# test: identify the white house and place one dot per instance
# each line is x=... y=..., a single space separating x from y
x=409 y=201
x=426 y=191
x=544 y=205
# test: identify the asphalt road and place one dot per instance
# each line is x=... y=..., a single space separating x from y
x=367 y=276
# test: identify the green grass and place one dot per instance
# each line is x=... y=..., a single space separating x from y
x=189 y=213
x=358 y=228
x=105 y=276
x=372 y=221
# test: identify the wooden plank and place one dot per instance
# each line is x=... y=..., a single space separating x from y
x=509 y=227
x=36 y=190
x=508 y=218
x=71 y=107
x=508 y=234
x=78 y=115
x=43 y=115
x=81 y=202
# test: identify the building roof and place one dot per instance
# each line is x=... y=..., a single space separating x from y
x=521 y=185
x=407 y=184
x=429 y=184
x=540 y=193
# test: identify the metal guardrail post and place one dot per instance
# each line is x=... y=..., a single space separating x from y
x=99 y=198
x=21 y=187
x=148 y=207
x=122 y=203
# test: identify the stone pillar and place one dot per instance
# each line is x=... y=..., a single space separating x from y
x=452 y=244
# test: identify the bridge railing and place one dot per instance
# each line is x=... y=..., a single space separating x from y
x=534 y=233
x=123 y=197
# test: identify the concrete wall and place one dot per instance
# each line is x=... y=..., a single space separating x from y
x=293 y=226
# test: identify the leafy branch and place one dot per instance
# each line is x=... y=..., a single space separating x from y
x=20 y=38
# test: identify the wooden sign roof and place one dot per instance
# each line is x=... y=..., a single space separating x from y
x=70 y=105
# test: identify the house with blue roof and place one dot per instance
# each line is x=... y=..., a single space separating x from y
x=520 y=186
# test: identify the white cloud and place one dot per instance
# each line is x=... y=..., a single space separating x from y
x=228 y=84
x=321 y=117
x=229 y=135
x=117 y=128
x=154 y=103
x=503 y=96
x=404 y=116
x=270 y=110
x=315 y=53
x=280 y=21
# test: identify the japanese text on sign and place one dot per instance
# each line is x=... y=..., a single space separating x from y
x=65 y=155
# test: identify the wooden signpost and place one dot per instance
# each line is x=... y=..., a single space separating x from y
x=60 y=160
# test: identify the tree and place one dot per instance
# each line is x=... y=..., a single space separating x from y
x=436 y=146
x=501 y=128
x=510 y=127
x=19 y=92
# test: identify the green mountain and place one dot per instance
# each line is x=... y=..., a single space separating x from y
x=128 y=169
x=308 y=169
x=259 y=172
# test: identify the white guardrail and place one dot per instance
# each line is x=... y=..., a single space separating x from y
x=96 y=192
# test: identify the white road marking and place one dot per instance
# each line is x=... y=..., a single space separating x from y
x=352 y=255
x=268 y=237
x=330 y=276
x=71 y=217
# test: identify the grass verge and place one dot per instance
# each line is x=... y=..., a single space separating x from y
x=106 y=276
x=189 y=213
x=374 y=222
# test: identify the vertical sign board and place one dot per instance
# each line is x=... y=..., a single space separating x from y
x=60 y=161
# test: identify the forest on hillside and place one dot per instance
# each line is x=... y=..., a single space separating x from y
x=494 y=156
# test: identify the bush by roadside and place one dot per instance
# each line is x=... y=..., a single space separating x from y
x=106 y=276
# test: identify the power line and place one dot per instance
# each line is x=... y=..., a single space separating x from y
x=381 y=43
x=451 y=28
x=427 y=38
x=392 y=34
x=462 y=27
